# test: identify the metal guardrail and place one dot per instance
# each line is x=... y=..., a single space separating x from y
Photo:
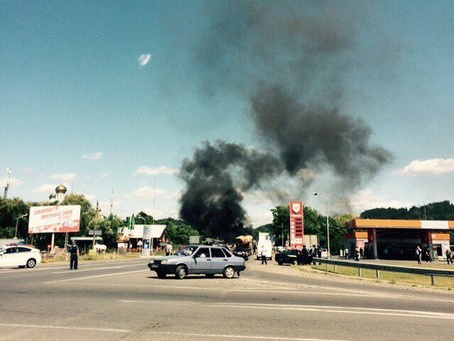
x=389 y=268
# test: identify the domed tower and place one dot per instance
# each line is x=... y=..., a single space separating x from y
x=60 y=191
x=52 y=197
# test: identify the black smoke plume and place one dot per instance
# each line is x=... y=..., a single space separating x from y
x=292 y=61
x=317 y=138
x=215 y=179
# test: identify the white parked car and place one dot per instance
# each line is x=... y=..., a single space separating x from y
x=19 y=256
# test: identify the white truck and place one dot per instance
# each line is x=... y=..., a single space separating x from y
x=265 y=243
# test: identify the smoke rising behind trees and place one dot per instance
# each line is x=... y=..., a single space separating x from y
x=291 y=61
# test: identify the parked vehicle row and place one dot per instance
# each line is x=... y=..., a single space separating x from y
x=295 y=256
x=288 y=256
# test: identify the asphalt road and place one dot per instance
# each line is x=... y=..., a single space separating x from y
x=123 y=300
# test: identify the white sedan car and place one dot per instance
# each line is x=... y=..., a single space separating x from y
x=19 y=256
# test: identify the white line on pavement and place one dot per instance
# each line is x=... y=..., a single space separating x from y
x=72 y=279
x=326 y=309
x=243 y=337
x=96 y=269
x=110 y=330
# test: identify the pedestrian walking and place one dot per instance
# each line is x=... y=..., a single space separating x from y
x=346 y=253
x=263 y=254
x=313 y=254
x=168 y=249
x=74 y=256
x=448 y=256
x=357 y=254
x=418 y=254
x=428 y=255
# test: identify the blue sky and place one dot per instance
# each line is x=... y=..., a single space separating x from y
x=109 y=97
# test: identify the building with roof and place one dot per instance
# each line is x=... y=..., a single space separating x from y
x=59 y=195
x=398 y=239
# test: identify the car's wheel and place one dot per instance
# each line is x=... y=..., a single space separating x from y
x=229 y=272
x=161 y=274
x=180 y=272
x=31 y=263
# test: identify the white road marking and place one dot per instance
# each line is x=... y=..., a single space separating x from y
x=185 y=334
x=90 y=277
x=317 y=308
x=95 y=269
x=110 y=330
x=244 y=337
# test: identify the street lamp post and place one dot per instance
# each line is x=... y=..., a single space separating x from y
x=327 y=222
x=17 y=223
x=96 y=221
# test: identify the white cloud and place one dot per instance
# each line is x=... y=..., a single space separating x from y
x=12 y=181
x=148 y=193
x=143 y=59
x=155 y=171
x=366 y=200
x=64 y=177
x=430 y=167
x=93 y=156
x=258 y=219
x=47 y=188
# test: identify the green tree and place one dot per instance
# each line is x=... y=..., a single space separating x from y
x=338 y=231
x=280 y=226
x=177 y=231
x=10 y=210
x=87 y=212
x=314 y=224
x=143 y=218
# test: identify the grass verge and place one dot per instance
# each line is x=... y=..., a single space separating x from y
x=391 y=277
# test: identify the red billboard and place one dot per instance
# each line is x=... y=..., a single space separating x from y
x=296 y=224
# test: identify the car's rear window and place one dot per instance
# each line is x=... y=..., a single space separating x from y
x=227 y=252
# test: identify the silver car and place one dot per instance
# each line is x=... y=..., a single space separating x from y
x=198 y=259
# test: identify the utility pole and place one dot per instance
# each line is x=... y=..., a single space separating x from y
x=327 y=222
x=96 y=222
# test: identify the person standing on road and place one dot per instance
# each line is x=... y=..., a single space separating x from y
x=74 y=255
x=357 y=254
x=448 y=256
x=168 y=249
x=346 y=253
x=263 y=254
x=428 y=255
x=418 y=254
